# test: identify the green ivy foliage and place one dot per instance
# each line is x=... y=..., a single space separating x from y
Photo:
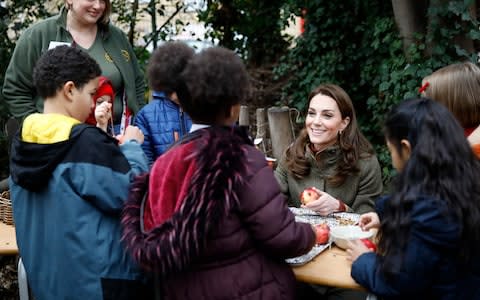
x=252 y=28
x=356 y=44
x=15 y=16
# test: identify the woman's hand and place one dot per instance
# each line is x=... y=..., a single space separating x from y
x=355 y=248
x=324 y=205
x=103 y=113
x=368 y=221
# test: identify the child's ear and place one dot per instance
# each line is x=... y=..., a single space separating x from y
x=230 y=116
x=174 y=97
x=68 y=89
x=234 y=112
x=406 y=149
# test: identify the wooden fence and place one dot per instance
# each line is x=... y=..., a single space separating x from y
x=274 y=128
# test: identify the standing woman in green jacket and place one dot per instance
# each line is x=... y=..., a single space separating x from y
x=84 y=24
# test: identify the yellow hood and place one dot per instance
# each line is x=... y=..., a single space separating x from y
x=47 y=128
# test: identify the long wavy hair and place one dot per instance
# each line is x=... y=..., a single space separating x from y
x=441 y=165
x=353 y=145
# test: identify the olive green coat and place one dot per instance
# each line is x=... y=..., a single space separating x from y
x=358 y=192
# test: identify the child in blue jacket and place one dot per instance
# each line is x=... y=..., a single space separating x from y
x=429 y=236
x=68 y=184
x=163 y=121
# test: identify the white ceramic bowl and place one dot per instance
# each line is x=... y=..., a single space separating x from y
x=342 y=234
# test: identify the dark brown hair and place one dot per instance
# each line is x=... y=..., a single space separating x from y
x=353 y=145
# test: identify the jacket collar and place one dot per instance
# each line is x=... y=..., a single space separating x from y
x=161 y=96
x=328 y=155
x=157 y=94
x=62 y=18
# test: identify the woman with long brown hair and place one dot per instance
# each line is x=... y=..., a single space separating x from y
x=331 y=155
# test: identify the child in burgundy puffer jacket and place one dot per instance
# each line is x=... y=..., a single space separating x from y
x=216 y=225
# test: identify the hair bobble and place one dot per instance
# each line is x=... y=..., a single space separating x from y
x=424 y=87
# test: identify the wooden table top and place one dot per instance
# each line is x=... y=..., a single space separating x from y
x=8 y=241
x=330 y=268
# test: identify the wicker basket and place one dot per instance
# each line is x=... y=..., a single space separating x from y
x=6 y=213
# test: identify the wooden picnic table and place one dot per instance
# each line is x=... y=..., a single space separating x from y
x=8 y=241
x=329 y=268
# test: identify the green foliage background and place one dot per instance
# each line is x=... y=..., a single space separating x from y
x=354 y=43
x=14 y=18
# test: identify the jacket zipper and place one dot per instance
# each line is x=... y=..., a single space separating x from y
x=182 y=121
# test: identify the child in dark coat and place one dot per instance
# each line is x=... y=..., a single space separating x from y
x=429 y=236
x=216 y=224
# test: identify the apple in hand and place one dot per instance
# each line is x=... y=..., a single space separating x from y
x=308 y=195
x=322 y=232
x=370 y=245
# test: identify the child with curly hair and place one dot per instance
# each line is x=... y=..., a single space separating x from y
x=163 y=120
x=68 y=184
x=216 y=225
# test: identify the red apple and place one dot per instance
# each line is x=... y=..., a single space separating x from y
x=308 y=194
x=370 y=245
x=322 y=233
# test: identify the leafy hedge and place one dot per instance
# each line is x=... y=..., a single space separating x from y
x=14 y=17
x=356 y=44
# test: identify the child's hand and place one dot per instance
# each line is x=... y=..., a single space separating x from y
x=355 y=248
x=131 y=133
x=103 y=113
x=368 y=221
x=324 y=205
